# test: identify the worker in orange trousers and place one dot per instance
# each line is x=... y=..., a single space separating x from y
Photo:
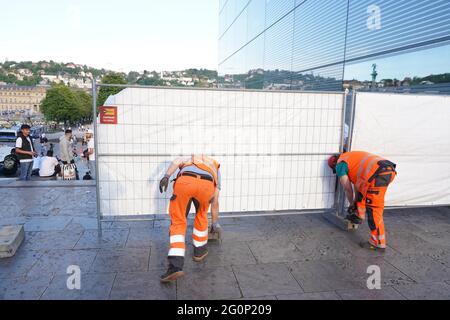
x=198 y=180
x=370 y=175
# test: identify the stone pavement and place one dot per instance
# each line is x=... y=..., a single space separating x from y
x=279 y=257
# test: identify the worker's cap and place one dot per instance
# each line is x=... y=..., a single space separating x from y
x=332 y=162
x=25 y=126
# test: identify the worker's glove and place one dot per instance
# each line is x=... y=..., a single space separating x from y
x=164 y=183
x=215 y=228
x=354 y=218
x=215 y=232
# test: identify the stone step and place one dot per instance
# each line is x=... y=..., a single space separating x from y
x=10 y=239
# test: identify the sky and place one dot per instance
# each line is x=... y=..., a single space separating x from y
x=112 y=34
x=420 y=63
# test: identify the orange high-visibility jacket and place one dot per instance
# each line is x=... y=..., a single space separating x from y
x=205 y=163
x=361 y=167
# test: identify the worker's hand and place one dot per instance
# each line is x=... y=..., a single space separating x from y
x=164 y=183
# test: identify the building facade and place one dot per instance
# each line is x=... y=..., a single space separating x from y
x=21 y=98
x=333 y=44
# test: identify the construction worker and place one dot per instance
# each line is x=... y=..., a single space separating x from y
x=370 y=176
x=197 y=181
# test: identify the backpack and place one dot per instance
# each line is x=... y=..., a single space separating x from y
x=69 y=171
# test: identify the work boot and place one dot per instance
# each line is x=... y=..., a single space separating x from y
x=353 y=218
x=200 y=253
x=369 y=246
x=172 y=274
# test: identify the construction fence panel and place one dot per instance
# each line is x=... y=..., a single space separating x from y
x=272 y=147
x=412 y=131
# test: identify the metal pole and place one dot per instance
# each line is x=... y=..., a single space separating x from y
x=339 y=195
x=352 y=118
x=97 y=185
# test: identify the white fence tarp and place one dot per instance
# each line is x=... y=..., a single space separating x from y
x=414 y=132
x=272 y=147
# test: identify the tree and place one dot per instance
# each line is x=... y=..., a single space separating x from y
x=132 y=77
x=85 y=105
x=105 y=92
x=62 y=104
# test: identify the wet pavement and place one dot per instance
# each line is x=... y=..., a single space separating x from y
x=278 y=257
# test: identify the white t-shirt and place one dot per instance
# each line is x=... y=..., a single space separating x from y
x=91 y=145
x=47 y=166
x=19 y=145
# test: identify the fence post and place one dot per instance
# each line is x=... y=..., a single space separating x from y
x=97 y=185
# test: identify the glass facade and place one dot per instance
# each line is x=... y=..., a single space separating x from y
x=331 y=45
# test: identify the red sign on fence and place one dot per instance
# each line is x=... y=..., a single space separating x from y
x=108 y=115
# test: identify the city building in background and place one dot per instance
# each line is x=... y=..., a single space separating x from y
x=334 y=45
x=14 y=98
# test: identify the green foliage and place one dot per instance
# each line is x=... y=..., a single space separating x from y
x=105 y=92
x=150 y=81
x=62 y=104
x=434 y=78
x=85 y=104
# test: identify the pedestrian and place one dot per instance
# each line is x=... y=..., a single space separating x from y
x=196 y=183
x=91 y=152
x=25 y=151
x=49 y=166
x=66 y=152
x=370 y=175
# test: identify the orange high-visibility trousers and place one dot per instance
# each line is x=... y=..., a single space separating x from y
x=372 y=206
x=189 y=189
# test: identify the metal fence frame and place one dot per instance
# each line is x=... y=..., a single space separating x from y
x=337 y=199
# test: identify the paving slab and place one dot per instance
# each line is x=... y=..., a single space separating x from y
x=320 y=247
x=442 y=257
x=278 y=249
x=216 y=283
x=121 y=260
x=266 y=279
x=243 y=233
x=322 y=275
x=158 y=255
x=406 y=243
x=24 y=288
x=425 y=291
x=223 y=254
x=420 y=268
x=259 y=298
x=19 y=264
x=85 y=222
x=140 y=237
x=11 y=237
x=111 y=238
x=142 y=286
x=132 y=224
x=50 y=240
x=46 y=224
x=57 y=261
x=385 y=293
x=357 y=268
x=94 y=286
x=332 y=295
